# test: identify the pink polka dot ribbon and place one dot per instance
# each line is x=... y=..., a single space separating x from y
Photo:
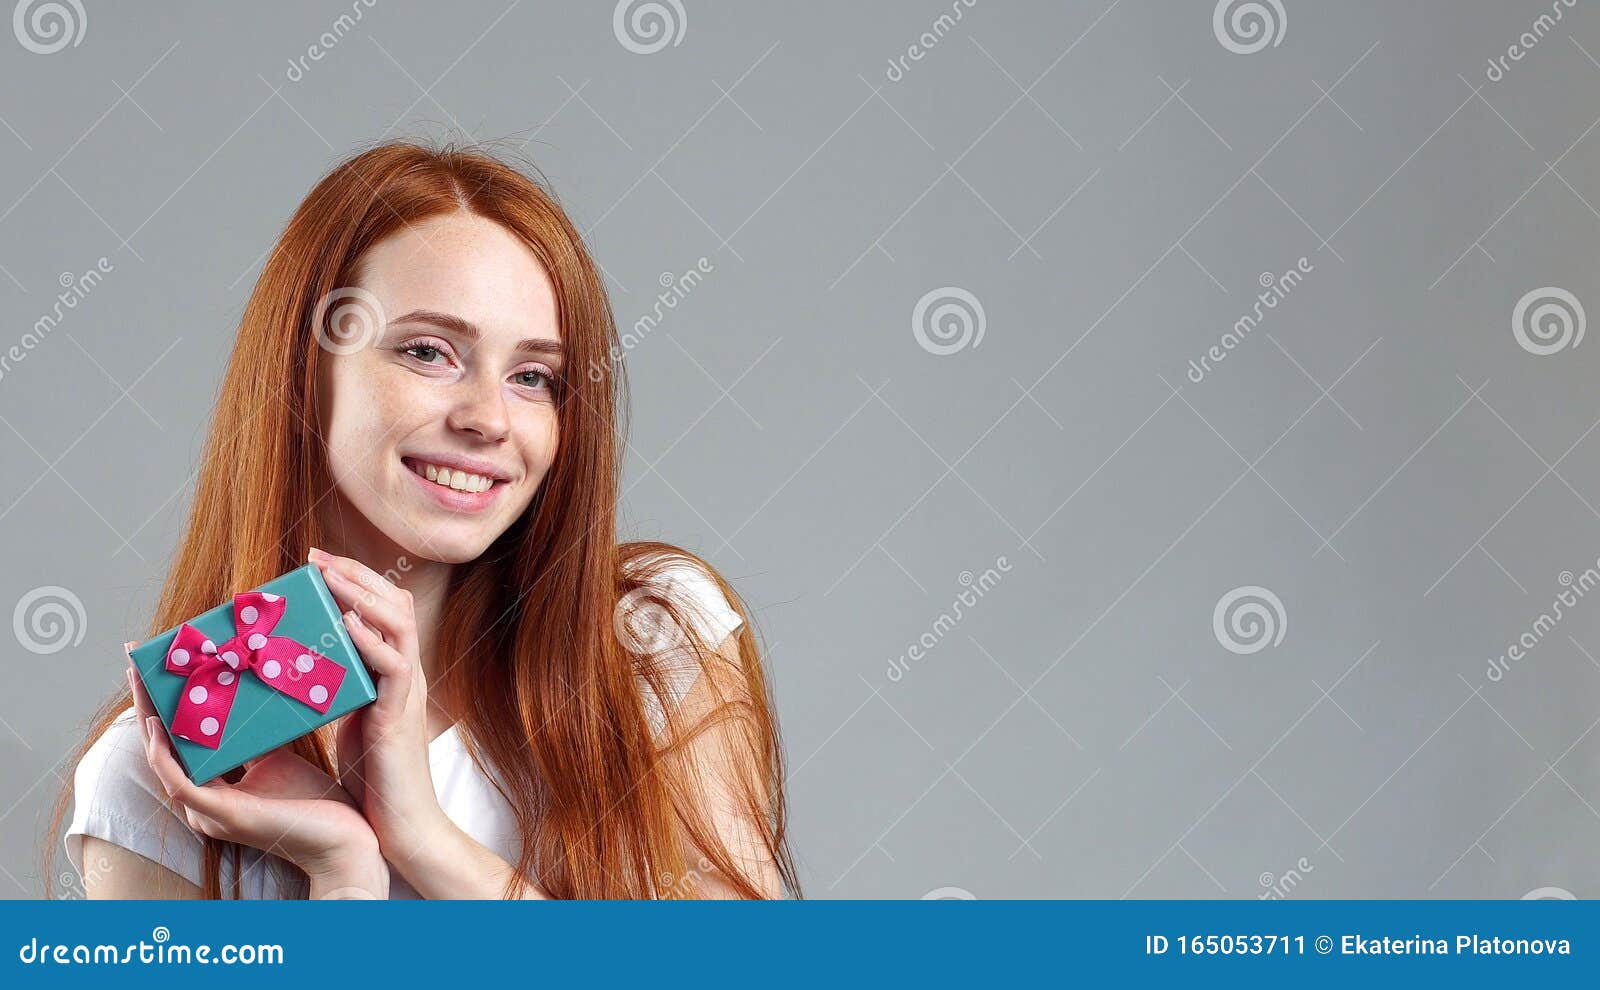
x=213 y=671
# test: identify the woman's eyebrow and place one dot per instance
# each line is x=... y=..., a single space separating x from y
x=469 y=330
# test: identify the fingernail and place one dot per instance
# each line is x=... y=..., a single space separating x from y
x=317 y=553
x=353 y=617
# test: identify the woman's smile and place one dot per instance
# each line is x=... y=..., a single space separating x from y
x=454 y=488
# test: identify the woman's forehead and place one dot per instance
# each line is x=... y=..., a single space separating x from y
x=465 y=265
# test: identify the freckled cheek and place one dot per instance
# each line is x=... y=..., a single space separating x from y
x=541 y=432
x=373 y=411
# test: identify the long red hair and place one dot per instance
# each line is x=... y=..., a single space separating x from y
x=541 y=679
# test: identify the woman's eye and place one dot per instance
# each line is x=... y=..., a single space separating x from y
x=422 y=352
x=533 y=378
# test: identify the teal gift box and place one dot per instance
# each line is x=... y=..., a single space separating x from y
x=254 y=673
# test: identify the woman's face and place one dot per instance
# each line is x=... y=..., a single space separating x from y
x=440 y=429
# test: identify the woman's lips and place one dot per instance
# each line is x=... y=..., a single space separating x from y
x=450 y=498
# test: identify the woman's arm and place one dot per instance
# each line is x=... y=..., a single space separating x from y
x=119 y=874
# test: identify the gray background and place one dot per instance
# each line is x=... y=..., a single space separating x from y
x=1109 y=181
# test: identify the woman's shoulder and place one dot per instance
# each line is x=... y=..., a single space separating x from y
x=657 y=572
x=118 y=798
x=114 y=765
x=660 y=571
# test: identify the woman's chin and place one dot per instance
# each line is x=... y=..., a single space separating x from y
x=442 y=546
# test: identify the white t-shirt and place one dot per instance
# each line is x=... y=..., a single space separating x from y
x=117 y=797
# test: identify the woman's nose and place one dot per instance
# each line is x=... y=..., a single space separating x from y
x=480 y=409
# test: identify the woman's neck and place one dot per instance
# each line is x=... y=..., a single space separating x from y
x=427 y=580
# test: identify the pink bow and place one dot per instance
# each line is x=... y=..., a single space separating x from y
x=212 y=672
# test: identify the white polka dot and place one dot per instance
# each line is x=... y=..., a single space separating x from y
x=209 y=726
x=226 y=677
x=231 y=659
x=249 y=614
x=305 y=663
x=271 y=669
x=180 y=657
x=208 y=647
x=256 y=641
x=269 y=596
x=318 y=694
x=197 y=694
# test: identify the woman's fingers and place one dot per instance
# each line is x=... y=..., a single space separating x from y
x=141 y=697
x=385 y=605
x=393 y=670
x=213 y=802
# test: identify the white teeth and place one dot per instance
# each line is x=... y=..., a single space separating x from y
x=461 y=481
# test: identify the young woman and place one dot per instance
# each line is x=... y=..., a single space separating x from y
x=424 y=383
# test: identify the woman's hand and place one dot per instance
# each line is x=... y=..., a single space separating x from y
x=282 y=804
x=383 y=748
